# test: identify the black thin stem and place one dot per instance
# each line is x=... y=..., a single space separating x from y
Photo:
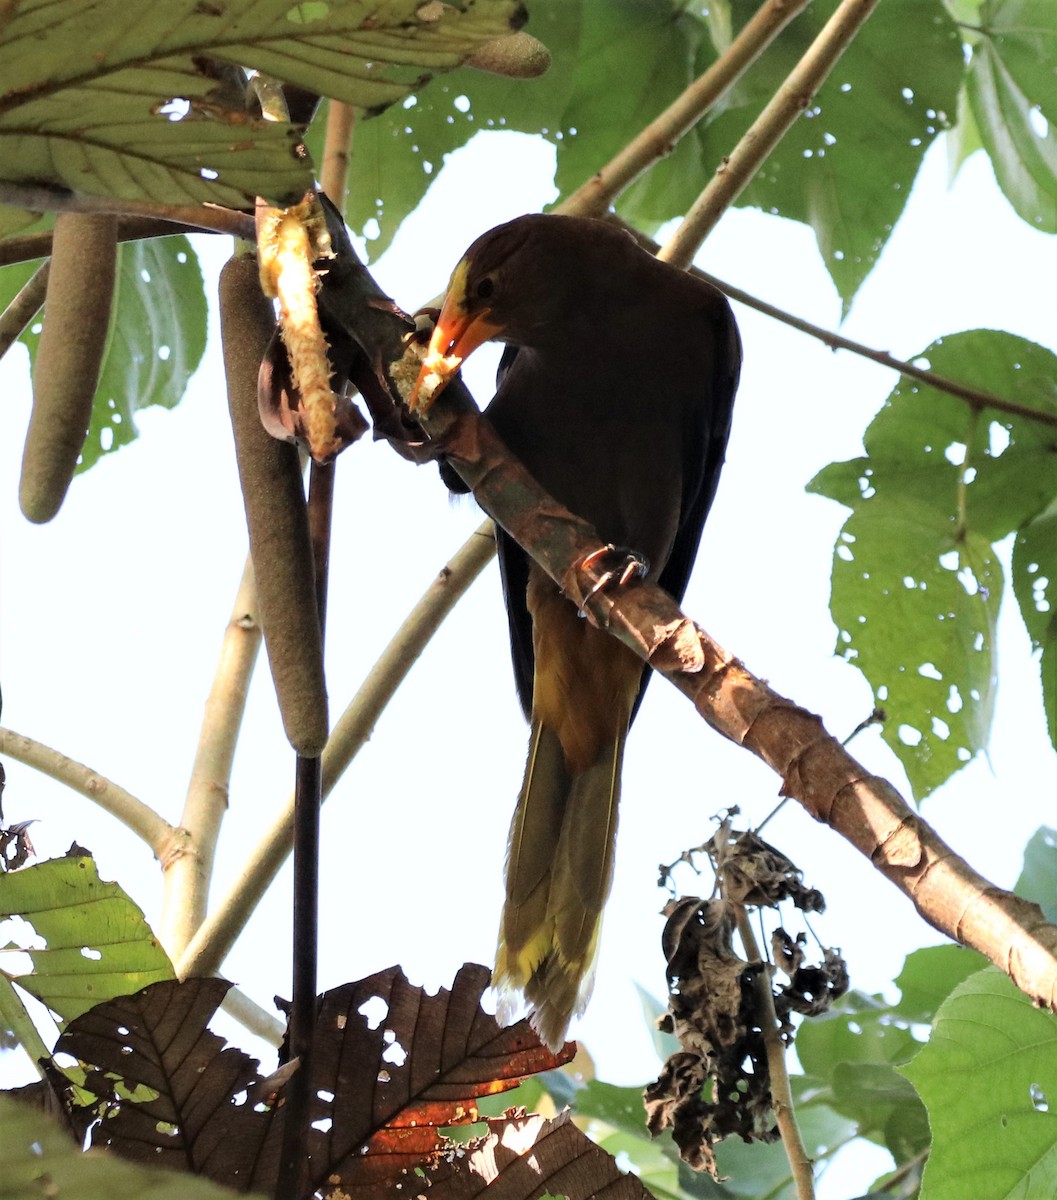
x=294 y=1168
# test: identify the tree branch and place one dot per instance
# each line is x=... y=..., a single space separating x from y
x=214 y=939
x=814 y=767
x=660 y=136
x=781 y=1093
x=23 y=308
x=188 y=878
x=976 y=398
x=199 y=216
x=767 y=130
x=25 y=247
x=159 y=835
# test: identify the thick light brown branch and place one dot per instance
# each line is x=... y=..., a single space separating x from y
x=814 y=767
x=334 y=170
x=214 y=939
x=660 y=136
x=767 y=130
x=190 y=871
x=159 y=835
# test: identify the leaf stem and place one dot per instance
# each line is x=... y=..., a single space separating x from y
x=163 y=839
x=25 y=247
x=200 y=216
x=778 y=115
x=660 y=136
x=188 y=878
x=781 y=1092
x=23 y=308
x=218 y=933
x=13 y=1016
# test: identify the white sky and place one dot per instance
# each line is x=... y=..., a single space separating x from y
x=113 y=616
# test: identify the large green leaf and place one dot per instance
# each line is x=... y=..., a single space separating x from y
x=916 y=584
x=157 y=337
x=1022 y=149
x=846 y=167
x=103 y=104
x=1024 y=33
x=96 y=943
x=987 y=1078
x=1035 y=586
x=40 y=1159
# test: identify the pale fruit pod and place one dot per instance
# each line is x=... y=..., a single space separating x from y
x=276 y=516
x=69 y=358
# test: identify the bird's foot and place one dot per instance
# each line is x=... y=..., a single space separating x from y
x=610 y=567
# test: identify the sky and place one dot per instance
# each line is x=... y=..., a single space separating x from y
x=113 y=616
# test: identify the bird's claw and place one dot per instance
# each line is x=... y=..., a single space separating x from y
x=617 y=566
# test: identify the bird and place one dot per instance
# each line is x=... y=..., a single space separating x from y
x=616 y=391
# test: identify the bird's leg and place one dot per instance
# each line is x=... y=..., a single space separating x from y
x=611 y=567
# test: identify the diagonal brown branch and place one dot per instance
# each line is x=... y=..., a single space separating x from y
x=814 y=767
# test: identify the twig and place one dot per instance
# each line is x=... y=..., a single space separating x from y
x=660 y=136
x=781 y=1092
x=214 y=939
x=199 y=216
x=189 y=874
x=14 y=1017
x=767 y=130
x=251 y=1016
x=25 y=247
x=140 y=818
x=975 y=397
x=334 y=170
x=23 y=308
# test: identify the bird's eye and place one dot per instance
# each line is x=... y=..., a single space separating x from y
x=485 y=287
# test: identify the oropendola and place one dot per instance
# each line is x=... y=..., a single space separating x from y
x=615 y=391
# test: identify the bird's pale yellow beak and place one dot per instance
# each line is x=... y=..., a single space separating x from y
x=455 y=337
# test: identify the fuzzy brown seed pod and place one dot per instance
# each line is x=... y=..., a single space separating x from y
x=276 y=514
x=69 y=357
x=517 y=56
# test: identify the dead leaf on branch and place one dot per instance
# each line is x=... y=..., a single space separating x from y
x=392 y=1066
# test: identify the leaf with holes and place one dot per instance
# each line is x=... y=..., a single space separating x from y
x=847 y=165
x=916 y=584
x=392 y=1066
x=138 y=110
x=96 y=942
x=156 y=341
x=1035 y=586
x=41 y=1160
x=987 y=1080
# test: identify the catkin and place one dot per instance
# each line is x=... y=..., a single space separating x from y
x=276 y=514
x=69 y=358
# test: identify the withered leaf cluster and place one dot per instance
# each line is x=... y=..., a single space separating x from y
x=718 y=1084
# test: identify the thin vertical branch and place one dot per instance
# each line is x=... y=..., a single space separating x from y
x=661 y=135
x=337 y=144
x=781 y=1093
x=795 y=94
x=189 y=872
x=210 y=945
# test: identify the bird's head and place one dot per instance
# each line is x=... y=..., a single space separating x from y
x=511 y=285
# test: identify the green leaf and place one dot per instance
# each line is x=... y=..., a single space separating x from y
x=96 y=943
x=1024 y=34
x=916 y=584
x=40 y=1159
x=1038 y=877
x=847 y=165
x=930 y=975
x=397 y=155
x=101 y=104
x=1035 y=586
x=1024 y=159
x=986 y=1078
